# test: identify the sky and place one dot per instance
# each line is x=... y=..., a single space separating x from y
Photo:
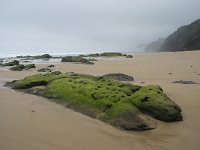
x=86 y=26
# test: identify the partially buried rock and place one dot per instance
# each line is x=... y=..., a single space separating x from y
x=44 y=70
x=185 y=82
x=119 y=76
x=50 y=66
x=129 y=56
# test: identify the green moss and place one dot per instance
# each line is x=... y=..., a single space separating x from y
x=76 y=59
x=153 y=101
x=120 y=104
x=21 y=67
x=29 y=66
x=17 y=68
x=35 y=80
x=111 y=54
x=90 y=55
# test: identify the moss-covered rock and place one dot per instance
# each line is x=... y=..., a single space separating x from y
x=21 y=67
x=111 y=54
x=121 y=104
x=152 y=101
x=17 y=68
x=45 y=56
x=76 y=59
x=90 y=55
x=29 y=66
x=12 y=63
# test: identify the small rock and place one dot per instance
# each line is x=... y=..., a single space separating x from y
x=185 y=82
x=129 y=56
x=142 y=82
x=33 y=111
x=119 y=76
x=51 y=66
x=170 y=73
x=44 y=70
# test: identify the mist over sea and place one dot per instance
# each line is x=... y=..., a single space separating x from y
x=14 y=54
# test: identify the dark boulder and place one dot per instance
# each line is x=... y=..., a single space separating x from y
x=119 y=76
x=44 y=70
x=50 y=66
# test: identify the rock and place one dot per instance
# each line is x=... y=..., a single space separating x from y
x=50 y=66
x=17 y=68
x=12 y=63
x=76 y=59
x=120 y=104
x=129 y=56
x=170 y=73
x=21 y=67
x=185 y=82
x=44 y=70
x=132 y=120
x=111 y=54
x=149 y=100
x=29 y=66
x=119 y=76
x=45 y=56
x=26 y=61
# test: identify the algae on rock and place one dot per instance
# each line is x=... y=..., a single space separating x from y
x=123 y=105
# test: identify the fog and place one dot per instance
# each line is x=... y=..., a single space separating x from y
x=85 y=26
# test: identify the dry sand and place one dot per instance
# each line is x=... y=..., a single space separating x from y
x=33 y=123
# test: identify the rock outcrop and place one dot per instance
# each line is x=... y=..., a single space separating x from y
x=120 y=104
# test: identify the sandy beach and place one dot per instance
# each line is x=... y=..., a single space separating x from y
x=34 y=123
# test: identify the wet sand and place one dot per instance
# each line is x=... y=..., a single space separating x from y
x=32 y=122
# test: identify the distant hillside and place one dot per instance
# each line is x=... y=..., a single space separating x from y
x=185 y=38
x=155 y=45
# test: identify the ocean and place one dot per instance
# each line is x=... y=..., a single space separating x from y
x=14 y=54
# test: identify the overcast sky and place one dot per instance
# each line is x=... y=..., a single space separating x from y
x=75 y=26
